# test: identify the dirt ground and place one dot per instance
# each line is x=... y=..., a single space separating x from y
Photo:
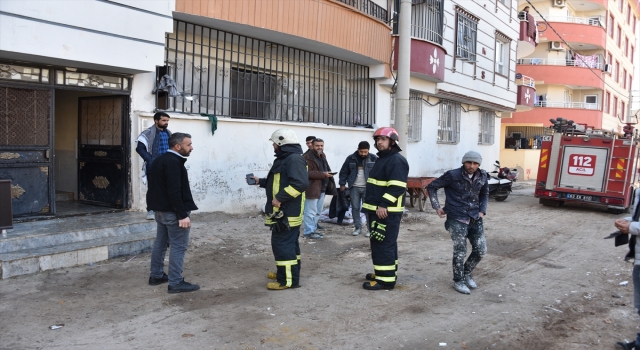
x=548 y=281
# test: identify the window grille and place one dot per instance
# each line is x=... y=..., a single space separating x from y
x=231 y=75
x=449 y=122
x=487 y=127
x=414 y=127
x=427 y=20
x=466 y=36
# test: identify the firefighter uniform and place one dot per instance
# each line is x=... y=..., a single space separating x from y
x=386 y=187
x=287 y=180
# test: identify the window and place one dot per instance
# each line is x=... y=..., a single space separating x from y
x=591 y=102
x=616 y=71
x=426 y=20
x=503 y=44
x=612 y=25
x=487 y=127
x=231 y=75
x=609 y=59
x=624 y=78
x=629 y=14
x=518 y=136
x=626 y=46
x=466 y=35
x=615 y=107
x=622 y=110
x=620 y=5
x=504 y=2
x=634 y=23
x=618 y=36
x=630 y=82
x=633 y=49
x=607 y=102
x=414 y=127
x=449 y=122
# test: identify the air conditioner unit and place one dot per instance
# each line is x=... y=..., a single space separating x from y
x=556 y=46
x=559 y=3
x=607 y=69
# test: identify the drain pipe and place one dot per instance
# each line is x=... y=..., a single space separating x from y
x=404 y=73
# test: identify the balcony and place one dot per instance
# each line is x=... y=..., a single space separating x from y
x=527 y=38
x=579 y=112
x=560 y=62
x=565 y=104
x=526 y=93
x=585 y=33
x=576 y=77
x=427 y=60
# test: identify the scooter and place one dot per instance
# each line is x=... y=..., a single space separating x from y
x=499 y=188
x=506 y=173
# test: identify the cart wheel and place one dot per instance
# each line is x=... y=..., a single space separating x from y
x=412 y=198
x=501 y=198
x=421 y=199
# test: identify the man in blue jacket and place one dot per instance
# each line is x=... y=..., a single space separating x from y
x=467 y=192
x=355 y=172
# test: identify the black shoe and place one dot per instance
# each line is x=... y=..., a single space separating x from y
x=318 y=227
x=183 y=287
x=153 y=281
x=370 y=277
x=626 y=346
x=374 y=285
x=314 y=235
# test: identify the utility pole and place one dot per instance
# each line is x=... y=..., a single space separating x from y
x=404 y=74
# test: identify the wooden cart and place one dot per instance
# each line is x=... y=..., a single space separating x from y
x=417 y=189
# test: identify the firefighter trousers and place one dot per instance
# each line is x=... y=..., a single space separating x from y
x=286 y=251
x=384 y=252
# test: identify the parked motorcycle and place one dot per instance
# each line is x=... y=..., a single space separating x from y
x=506 y=173
x=499 y=188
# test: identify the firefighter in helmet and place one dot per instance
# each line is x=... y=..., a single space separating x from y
x=285 y=185
x=384 y=206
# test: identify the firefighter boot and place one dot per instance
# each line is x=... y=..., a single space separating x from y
x=278 y=286
x=375 y=285
x=271 y=275
x=370 y=277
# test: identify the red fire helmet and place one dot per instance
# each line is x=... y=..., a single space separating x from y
x=388 y=132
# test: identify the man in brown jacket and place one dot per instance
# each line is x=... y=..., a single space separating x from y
x=320 y=176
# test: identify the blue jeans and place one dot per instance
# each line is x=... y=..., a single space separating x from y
x=178 y=238
x=636 y=293
x=357 y=195
x=312 y=210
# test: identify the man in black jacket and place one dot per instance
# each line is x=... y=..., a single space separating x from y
x=285 y=185
x=384 y=206
x=169 y=196
x=467 y=195
x=355 y=171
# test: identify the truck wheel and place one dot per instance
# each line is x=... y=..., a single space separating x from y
x=501 y=198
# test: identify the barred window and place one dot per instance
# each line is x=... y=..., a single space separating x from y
x=414 y=127
x=487 y=127
x=235 y=76
x=466 y=35
x=427 y=19
x=449 y=122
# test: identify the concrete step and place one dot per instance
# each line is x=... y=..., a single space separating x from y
x=62 y=196
x=32 y=260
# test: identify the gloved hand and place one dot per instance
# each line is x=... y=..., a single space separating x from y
x=377 y=231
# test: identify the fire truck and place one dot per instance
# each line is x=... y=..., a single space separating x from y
x=580 y=164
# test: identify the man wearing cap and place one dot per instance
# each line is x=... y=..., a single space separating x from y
x=467 y=195
x=152 y=143
x=355 y=171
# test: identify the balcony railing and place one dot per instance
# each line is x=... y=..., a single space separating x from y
x=369 y=7
x=597 y=21
x=559 y=62
x=562 y=104
x=526 y=81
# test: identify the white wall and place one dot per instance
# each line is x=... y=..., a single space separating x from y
x=86 y=34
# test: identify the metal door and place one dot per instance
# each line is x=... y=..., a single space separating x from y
x=102 y=163
x=26 y=143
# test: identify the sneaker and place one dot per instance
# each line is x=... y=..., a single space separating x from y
x=370 y=277
x=278 y=286
x=319 y=228
x=153 y=281
x=374 y=285
x=468 y=280
x=356 y=232
x=313 y=235
x=626 y=346
x=461 y=287
x=183 y=287
x=151 y=215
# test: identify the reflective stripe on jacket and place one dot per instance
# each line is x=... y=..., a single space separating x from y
x=287 y=180
x=387 y=183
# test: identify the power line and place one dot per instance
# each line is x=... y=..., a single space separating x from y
x=569 y=46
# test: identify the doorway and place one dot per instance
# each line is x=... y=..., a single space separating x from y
x=91 y=152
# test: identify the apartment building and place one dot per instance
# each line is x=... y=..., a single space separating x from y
x=582 y=69
x=241 y=70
